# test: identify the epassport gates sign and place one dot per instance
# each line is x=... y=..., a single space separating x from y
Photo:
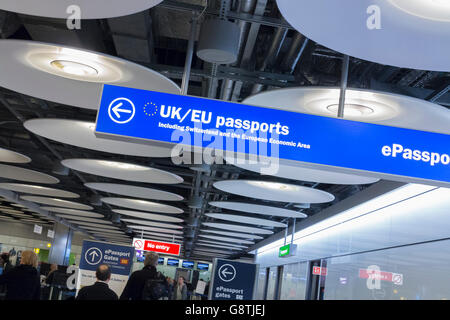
x=347 y=146
x=233 y=280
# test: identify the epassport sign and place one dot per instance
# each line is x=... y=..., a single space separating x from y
x=349 y=146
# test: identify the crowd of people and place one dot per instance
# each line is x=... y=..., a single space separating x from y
x=22 y=282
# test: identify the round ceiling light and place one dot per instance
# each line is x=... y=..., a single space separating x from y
x=18 y=173
x=235 y=227
x=352 y=110
x=13 y=157
x=122 y=171
x=246 y=220
x=142 y=205
x=133 y=191
x=80 y=218
x=147 y=216
x=388 y=109
x=273 y=167
x=233 y=234
x=138 y=228
x=71 y=76
x=74 y=212
x=274 y=191
x=42 y=191
x=93 y=224
x=207 y=242
x=104 y=231
x=153 y=224
x=81 y=134
x=74 y=68
x=225 y=239
x=88 y=9
x=438 y=10
x=57 y=202
x=402 y=33
x=258 y=209
x=161 y=235
x=214 y=251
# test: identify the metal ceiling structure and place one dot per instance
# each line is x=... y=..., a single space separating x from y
x=271 y=55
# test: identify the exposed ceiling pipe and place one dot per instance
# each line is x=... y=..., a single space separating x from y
x=299 y=43
x=274 y=50
x=247 y=6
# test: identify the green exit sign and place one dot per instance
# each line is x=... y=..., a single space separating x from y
x=287 y=250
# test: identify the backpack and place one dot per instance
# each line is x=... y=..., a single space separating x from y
x=155 y=288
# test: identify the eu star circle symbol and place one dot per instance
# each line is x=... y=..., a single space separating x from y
x=121 y=110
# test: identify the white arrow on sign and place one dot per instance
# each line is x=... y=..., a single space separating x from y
x=227 y=272
x=116 y=109
x=115 y=112
x=93 y=255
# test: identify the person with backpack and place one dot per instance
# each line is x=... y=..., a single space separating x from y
x=146 y=284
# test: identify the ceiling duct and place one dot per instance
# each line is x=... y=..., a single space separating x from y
x=95 y=200
x=196 y=202
x=219 y=41
x=190 y=233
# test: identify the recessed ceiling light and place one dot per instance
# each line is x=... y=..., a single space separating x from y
x=98 y=9
x=57 y=202
x=22 y=174
x=147 y=216
x=297 y=171
x=351 y=110
x=142 y=205
x=274 y=191
x=38 y=190
x=13 y=157
x=236 y=227
x=153 y=224
x=73 y=212
x=122 y=170
x=138 y=228
x=134 y=191
x=388 y=109
x=72 y=76
x=246 y=220
x=409 y=34
x=81 y=134
x=233 y=234
x=258 y=209
x=74 y=68
x=438 y=10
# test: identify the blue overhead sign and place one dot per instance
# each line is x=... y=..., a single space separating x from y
x=233 y=280
x=119 y=258
x=391 y=152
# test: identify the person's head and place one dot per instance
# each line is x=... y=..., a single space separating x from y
x=181 y=280
x=53 y=267
x=4 y=258
x=151 y=259
x=103 y=273
x=29 y=258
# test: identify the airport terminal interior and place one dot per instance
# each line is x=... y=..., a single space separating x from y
x=112 y=115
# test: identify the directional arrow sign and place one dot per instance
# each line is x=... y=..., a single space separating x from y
x=121 y=110
x=93 y=256
x=227 y=272
x=116 y=109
